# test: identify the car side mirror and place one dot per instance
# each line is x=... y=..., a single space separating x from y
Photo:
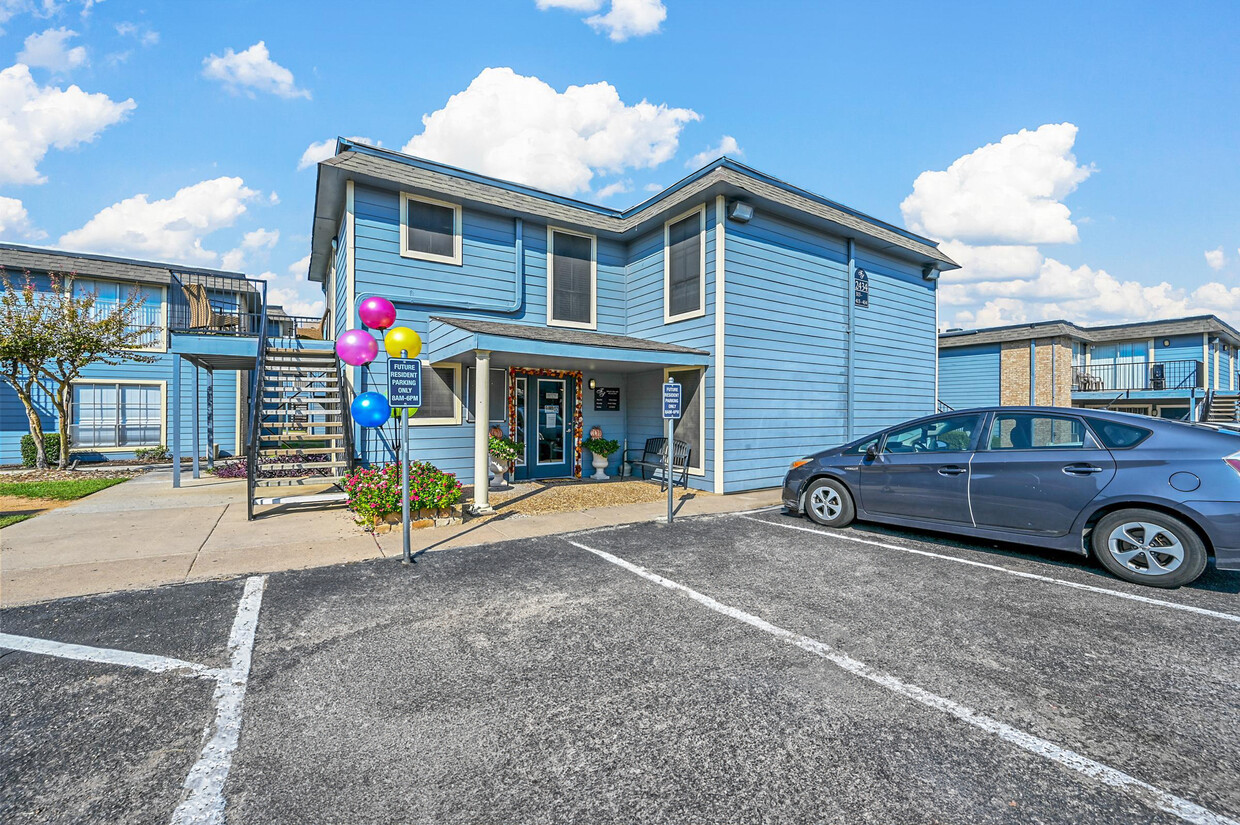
x=871 y=453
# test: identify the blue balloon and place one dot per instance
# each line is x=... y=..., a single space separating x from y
x=370 y=409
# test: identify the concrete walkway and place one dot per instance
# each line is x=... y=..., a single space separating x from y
x=144 y=534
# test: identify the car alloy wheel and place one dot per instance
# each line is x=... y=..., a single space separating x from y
x=827 y=503
x=1142 y=547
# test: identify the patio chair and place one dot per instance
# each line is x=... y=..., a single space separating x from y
x=202 y=315
x=314 y=332
x=654 y=458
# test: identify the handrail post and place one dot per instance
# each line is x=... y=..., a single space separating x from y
x=260 y=359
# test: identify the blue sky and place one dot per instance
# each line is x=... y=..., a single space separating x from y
x=1104 y=209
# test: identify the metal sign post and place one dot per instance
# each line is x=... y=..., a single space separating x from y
x=671 y=411
x=405 y=394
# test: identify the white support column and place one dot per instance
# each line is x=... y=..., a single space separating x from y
x=482 y=406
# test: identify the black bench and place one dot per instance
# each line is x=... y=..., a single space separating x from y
x=654 y=457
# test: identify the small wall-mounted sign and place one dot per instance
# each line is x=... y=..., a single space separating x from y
x=861 y=288
x=606 y=399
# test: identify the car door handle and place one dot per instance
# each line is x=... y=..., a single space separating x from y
x=952 y=471
x=1081 y=469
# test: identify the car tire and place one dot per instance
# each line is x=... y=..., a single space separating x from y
x=1149 y=547
x=828 y=502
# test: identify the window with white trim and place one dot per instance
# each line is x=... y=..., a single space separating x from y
x=684 y=266
x=572 y=275
x=111 y=294
x=441 y=395
x=106 y=415
x=430 y=230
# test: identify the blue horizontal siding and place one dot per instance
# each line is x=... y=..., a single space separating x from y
x=969 y=376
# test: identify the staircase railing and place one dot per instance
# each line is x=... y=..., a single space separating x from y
x=256 y=384
x=346 y=417
x=1206 y=403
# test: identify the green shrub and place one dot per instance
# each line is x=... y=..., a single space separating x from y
x=159 y=453
x=601 y=446
x=504 y=450
x=375 y=493
x=51 y=446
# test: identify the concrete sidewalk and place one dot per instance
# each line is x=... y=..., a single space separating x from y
x=143 y=533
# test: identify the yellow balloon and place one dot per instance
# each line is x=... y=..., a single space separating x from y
x=402 y=338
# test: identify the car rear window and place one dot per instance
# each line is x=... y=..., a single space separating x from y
x=1117 y=436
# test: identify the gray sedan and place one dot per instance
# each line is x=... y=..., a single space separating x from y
x=1151 y=499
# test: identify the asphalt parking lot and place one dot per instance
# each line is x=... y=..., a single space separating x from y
x=738 y=669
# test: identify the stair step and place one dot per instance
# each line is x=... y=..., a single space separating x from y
x=298 y=481
x=306 y=465
x=303 y=451
x=303 y=499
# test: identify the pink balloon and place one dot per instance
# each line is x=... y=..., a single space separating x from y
x=377 y=313
x=357 y=347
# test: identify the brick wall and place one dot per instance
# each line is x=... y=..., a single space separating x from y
x=1014 y=374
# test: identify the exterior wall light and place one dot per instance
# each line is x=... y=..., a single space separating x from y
x=593 y=383
x=740 y=211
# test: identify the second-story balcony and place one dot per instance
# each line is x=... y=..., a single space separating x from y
x=205 y=304
x=1143 y=376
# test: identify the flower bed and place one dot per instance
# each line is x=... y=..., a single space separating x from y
x=374 y=494
x=236 y=467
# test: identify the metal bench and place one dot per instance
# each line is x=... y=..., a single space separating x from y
x=654 y=459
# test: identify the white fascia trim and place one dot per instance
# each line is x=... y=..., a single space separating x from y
x=721 y=327
x=237 y=434
x=551 y=321
x=701 y=371
x=406 y=252
x=668 y=318
x=455 y=418
x=163 y=410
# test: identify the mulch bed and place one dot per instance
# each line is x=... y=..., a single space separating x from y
x=531 y=498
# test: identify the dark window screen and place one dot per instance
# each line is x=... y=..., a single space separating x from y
x=688 y=428
x=684 y=255
x=438 y=393
x=431 y=228
x=573 y=296
x=1118 y=436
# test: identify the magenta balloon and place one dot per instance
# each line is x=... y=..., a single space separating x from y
x=377 y=313
x=357 y=347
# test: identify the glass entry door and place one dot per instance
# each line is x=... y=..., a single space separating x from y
x=547 y=424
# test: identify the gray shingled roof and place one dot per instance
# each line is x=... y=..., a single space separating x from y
x=1112 y=332
x=17 y=259
x=558 y=335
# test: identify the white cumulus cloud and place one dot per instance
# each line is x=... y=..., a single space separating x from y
x=993 y=208
x=1005 y=192
x=519 y=128
x=35 y=118
x=624 y=19
x=15 y=222
x=324 y=149
x=727 y=146
x=300 y=268
x=51 y=50
x=619 y=187
x=252 y=71
x=1215 y=259
x=570 y=5
x=170 y=229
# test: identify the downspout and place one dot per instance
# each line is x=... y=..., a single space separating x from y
x=851 y=303
x=518 y=286
x=1054 y=358
x=1033 y=372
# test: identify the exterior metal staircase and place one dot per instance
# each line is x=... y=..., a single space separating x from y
x=300 y=409
x=1223 y=408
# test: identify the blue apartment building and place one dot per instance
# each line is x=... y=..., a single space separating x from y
x=791 y=322
x=1181 y=368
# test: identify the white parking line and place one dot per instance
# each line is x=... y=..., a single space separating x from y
x=106 y=655
x=1187 y=608
x=1143 y=791
x=204 y=804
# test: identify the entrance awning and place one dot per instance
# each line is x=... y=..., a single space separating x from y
x=455 y=339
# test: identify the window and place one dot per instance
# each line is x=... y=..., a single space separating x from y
x=430 y=230
x=113 y=415
x=691 y=426
x=111 y=294
x=1022 y=431
x=571 y=279
x=441 y=395
x=943 y=435
x=498 y=392
x=684 y=266
x=1117 y=436
x=863 y=447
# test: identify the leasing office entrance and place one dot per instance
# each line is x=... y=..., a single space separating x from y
x=545 y=415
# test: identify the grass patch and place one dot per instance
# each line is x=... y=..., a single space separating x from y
x=5 y=521
x=58 y=490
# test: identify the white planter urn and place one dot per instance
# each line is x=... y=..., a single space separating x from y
x=497 y=474
x=600 y=467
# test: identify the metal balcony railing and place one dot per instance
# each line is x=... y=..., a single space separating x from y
x=1164 y=375
x=216 y=304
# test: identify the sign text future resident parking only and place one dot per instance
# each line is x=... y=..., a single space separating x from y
x=671 y=400
x=404 y=382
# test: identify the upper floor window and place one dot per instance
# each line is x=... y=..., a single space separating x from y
x=430 y=230
x=109 y=295
x=572 y=279
x=684 y=266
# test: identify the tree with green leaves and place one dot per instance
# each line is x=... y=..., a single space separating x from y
x=63 y=333
x=25 y=347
